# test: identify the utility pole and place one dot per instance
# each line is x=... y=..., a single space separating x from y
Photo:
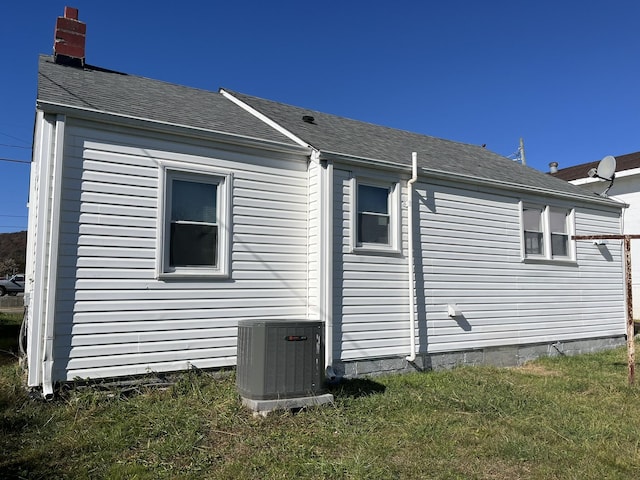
x=523 y=160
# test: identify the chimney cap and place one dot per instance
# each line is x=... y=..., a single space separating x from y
x=71 y=12
x=553 y=167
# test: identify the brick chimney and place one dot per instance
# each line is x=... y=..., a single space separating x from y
x=68 y=46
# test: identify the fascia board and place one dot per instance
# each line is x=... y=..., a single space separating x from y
x=621 y=174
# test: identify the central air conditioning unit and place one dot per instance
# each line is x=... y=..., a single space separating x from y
x=280 y=360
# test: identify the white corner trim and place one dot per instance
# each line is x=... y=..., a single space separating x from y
x=39 y=200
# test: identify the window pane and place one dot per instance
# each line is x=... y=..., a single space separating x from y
x=193 y=245
x=558 y=220
x=373 y=228
x=373 y=199
x=531 y=218
x=559 y=245
x=533 y=243
x=193 y=201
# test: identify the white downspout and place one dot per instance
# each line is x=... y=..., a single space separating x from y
x=52 y=260
x=412 y=323
x=326 y=261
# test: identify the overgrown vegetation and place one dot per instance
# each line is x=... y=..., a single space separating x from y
x=564 y=418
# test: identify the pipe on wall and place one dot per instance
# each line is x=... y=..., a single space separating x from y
x=412 y=324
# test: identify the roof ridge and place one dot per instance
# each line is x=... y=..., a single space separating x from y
x=365 y=122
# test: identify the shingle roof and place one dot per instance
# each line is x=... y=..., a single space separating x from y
x=100 y=90
x=105 y=91
x=623 y=162
x=339 y=135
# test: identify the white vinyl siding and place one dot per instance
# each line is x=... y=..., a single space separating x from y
x=371 y=297
x=113 y=315
x=471 y=254
x=468 y=246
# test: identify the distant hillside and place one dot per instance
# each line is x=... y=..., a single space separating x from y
x=13 y=252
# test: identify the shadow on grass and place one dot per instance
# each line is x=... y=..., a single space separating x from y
x=356 y=388
x=8 y=343
x=23 y=470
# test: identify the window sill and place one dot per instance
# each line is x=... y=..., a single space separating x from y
x=192 y=276
x=551 y=261
x=372 y=250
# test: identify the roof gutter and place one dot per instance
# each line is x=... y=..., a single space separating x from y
x=522 y=188
x=168 y=127
x=368 y=162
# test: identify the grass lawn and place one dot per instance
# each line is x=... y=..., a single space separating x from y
x=564 y=418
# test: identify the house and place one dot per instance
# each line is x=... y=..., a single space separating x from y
x=160 y=216
x=626 y=189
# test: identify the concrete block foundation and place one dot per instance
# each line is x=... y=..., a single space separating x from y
x=503 y=356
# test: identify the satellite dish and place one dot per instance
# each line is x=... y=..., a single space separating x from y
x=606 y=170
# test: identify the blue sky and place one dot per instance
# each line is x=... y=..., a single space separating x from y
x=563 y=75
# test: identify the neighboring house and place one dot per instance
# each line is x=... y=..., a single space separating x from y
x=160 y=216
x=626 y=189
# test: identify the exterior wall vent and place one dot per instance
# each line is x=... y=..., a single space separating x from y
x=280 y=359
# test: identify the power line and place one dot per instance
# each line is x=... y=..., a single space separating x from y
x=14 y=216
x=14 y=160
x=14 y=146
x=15 y=138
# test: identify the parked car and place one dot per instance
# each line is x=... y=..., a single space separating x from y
x=13 y=285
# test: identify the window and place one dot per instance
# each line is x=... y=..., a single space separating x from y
x=195 y=236
x=375 y=216
x=558 y=220
x=546 y=231
x=533 y=236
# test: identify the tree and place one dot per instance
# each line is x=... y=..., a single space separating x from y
x=8 y=266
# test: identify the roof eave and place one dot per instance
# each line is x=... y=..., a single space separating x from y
x=168 y=127
x=468 y=179
x=515 y=187
x=363 y=161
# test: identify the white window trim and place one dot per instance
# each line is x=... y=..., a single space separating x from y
x=547 y=256
x=224 y=180
x=395 y=223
